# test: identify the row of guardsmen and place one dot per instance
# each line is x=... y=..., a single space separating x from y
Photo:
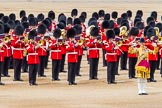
x=116 y=40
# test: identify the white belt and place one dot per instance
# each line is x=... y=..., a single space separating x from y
x=43 y=46
x=18 y=49
x=111 y=53
x=1 y=51
x=72 y=53
x=93 y=48
x=32 y=53
x=55 y=50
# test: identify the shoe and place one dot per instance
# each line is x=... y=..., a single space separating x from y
x=20 y=80
x=140 y=93
x=35 y=84
x=114 y=82
x=2 y=75
x=117 y=74
x=153 y=81
x=96 y=78
x=144 y=93
x=55 y=79
x=41 y=75
x=148 y=80
x=2 y=83
x=74 y=83
x=79 y=75
x=70 y=83
x=90 y=78
x=63 y=71
x=109 y=83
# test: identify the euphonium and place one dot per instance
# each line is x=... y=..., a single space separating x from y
x=123 y=31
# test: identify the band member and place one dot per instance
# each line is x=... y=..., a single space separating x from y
x=41 y=50
x=56 y=56
x=119 y=43
x=111 y=56
x=79 y=39
x=131 y=53
x=32 y=57
x=7 y=50
x=72 y=56
x=129 y=13
x=18 y=48
x=93 y=53
x=152 y=45
x=105 y=27
x=1 y=51
x=142 y=67
x=74 y=13
x=114 y=15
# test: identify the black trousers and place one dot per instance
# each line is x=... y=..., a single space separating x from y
x=17 y=68
x=55 y=69
x=132 y=63
x=158 y=61
x=11 y=65
x=111 y=71
x=46 y=59
x=153 y=65
x=93 y=67
x=161 y=67
x=1 y=68
x=24 y=65
x=6 y=66
x=123 y=62
x=117 y=65
x=41 y=65
x=62 y=62
x=71 y=72
x=33 y=68
x=103 y=55
x=77 y=67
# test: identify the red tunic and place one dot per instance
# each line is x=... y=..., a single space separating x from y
x=111 y=55
x=32 y=56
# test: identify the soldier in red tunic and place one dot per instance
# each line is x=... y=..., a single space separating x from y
x=32 y=57
x=41 y=50
x=72 y=56
x=55 y=53
x=93 y=53
x=1 y=51
x=18 y=48
x=111 y=56
x=7 y=50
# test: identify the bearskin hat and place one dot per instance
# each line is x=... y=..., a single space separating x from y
x=51 y=15
x=94 y=31
x=30 y=16
x=60 y=25
x=40 y=17
x=107 y=16
x=12 y=24
x=134 y=31
x=139 y=25
x=12 y=16
x=17 y=22
x=114 y=14
x=95 y=15
x=24 y=19
x=159 y=25
x=149 y=19
x=57 y=33
x=84 y=14
x=154 y=14
x=77 y=21
x=32 y=34
x=151 y=23
x=116 y=31
x=139 y=13
x=145 y=30
x=5 y=19
x=42 y=29
x=124 y=16
x=69 y=20
x=61 y=17
x=46 y=23
x=71 y=33
x=25 y=25
x=129 y=13
x=1 y=28
x=78 y=29
x=101 y=13
x=19 y=30
x=119 y=21
x=22 y=13
x=111 y=24
x=91 y=19
x=1 y=15
x=6 y=28
x=74 y=12
x=32 y=22
x=125 y=24
x=151 y=32
x=110 y=34
x=105 y=24
x=95 y=23
x=82 y=19
x=137 y=20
